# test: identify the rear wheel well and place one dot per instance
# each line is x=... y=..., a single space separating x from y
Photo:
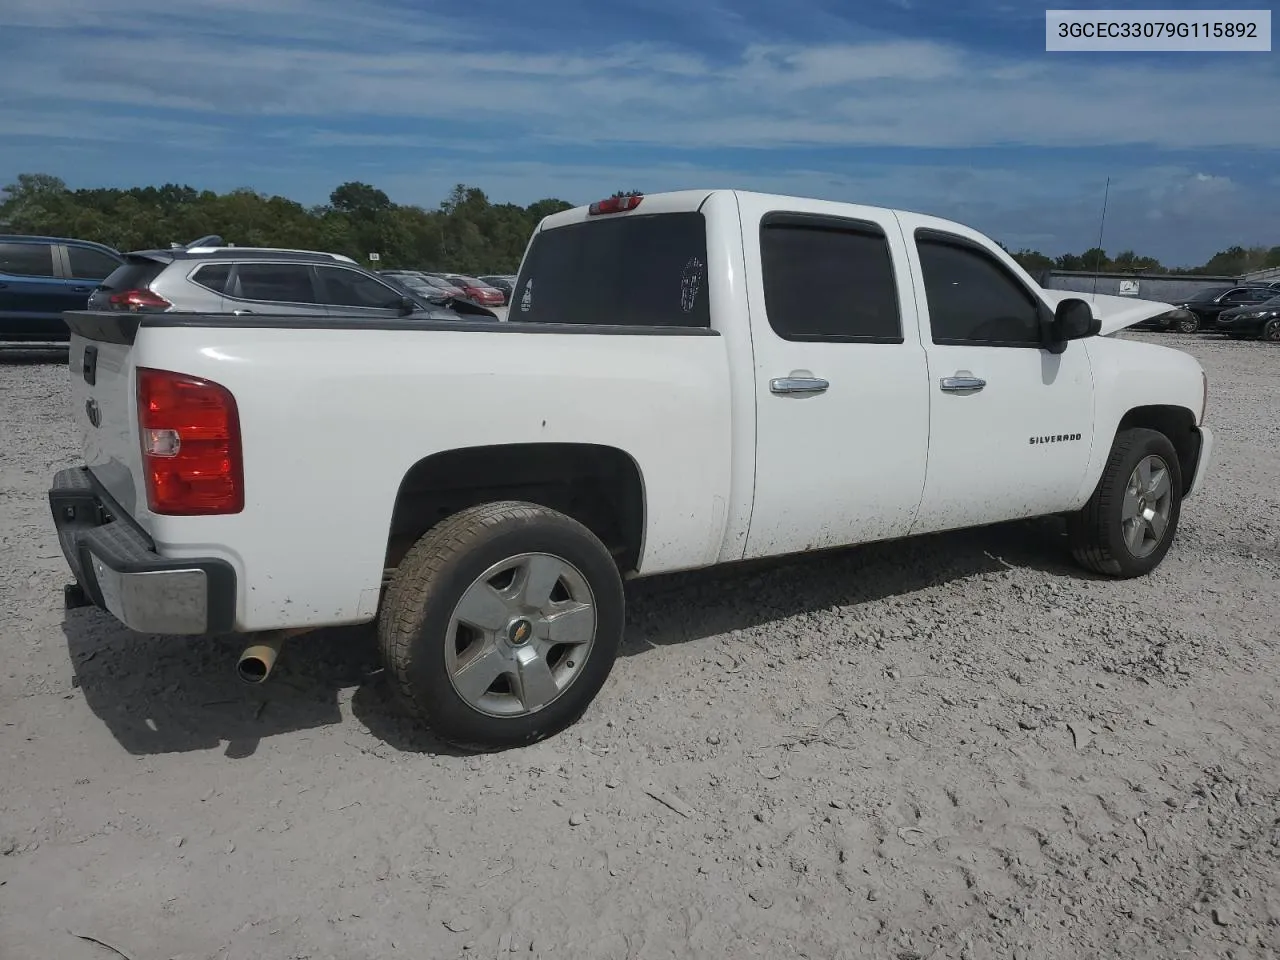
x=598 y=486
x=1176 y=423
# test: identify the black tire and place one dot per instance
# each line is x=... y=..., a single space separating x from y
x=1271 y=332
x=1096 y=530
x=1188 y=324
x=416 y=613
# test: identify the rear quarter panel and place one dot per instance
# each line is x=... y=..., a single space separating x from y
x=333 y=419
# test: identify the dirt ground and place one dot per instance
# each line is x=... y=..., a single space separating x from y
x=955 y=747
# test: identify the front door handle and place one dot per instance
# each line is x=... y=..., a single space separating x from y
x=240 y=313
x=962 y=384
x=798 y=385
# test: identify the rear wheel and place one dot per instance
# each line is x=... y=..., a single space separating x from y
x=1271 y=332
x=1129 y=523
x=502 y=624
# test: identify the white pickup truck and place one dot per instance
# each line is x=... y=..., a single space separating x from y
x=685 y=379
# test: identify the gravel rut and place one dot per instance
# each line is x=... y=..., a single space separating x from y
x=958 y=746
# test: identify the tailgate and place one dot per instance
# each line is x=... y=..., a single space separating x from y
x=103 y=404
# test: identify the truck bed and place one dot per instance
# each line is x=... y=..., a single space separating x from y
x=335 y=412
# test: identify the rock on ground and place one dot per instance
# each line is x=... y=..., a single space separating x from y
x=958 y=746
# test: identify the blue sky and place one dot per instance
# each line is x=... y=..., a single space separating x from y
x=946 y=107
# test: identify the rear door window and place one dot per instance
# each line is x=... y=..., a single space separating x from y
x=26 y=259
x=274 y=283
x=89 y=264
x=641 y=271
x=827 y=278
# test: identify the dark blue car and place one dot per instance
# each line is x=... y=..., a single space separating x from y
x=40 y=277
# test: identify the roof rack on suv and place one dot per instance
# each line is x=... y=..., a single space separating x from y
x=267 y=251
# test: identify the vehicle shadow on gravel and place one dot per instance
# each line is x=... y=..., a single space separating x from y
x=174 y=694
x=691 y=606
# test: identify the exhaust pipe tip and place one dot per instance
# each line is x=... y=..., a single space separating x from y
x=257 y=661
x=253 y=669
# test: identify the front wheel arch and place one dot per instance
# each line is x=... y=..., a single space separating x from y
x=1178 y=424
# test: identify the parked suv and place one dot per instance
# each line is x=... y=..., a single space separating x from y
x=40 y=278
x=246 y=280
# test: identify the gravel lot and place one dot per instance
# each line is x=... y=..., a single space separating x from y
x=951 y=747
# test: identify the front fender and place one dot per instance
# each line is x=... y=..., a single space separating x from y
x=1157 y=384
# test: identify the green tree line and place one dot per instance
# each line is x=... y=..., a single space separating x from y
x=466 y=233
x=1232 y=262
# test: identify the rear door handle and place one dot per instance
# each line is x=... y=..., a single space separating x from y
x=81 y=289
x=962 y=384
x=240 y=313
x=798 y=385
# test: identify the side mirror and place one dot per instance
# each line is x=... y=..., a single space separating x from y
x=407 y=306
x=1073 y=319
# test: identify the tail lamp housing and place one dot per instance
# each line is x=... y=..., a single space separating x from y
x=189 y=430
x=138 y=301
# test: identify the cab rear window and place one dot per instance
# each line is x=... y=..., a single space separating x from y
x=640 y=271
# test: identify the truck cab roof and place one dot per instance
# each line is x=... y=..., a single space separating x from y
x=687 y=201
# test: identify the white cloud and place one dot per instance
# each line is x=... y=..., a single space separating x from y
x=900 y=93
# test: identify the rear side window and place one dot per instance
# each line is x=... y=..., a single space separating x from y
x=213 y=276
x=274 y=283
x=972 y=298
x=346 y=288
x=639 y=271
x=89 y=264
x=26 y=259
x=134 y=274
x=828 y=279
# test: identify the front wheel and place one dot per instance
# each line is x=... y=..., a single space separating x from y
x=1188 y=324
x=502 y=624
x=1271 y=332
x=1129 y=523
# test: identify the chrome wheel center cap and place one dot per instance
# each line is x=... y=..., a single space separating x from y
x=519 y=632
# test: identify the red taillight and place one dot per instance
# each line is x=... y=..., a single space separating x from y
x=615 y=205
x=137 y=300
x=190 y=431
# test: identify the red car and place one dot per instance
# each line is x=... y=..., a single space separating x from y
x=477 y=291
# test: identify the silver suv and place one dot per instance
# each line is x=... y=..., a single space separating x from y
x=207 y=277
